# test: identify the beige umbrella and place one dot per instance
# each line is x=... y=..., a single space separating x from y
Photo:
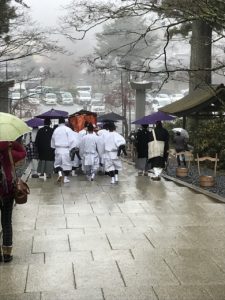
x=11 y=127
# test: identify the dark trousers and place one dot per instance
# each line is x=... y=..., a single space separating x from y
x=65 y=172
x=178 y=157
x=183 y=159
x=6 y=207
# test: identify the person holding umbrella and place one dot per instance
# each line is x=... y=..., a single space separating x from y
x=180 y=146
x=158 y=161
x=141 y=144
x=11 y=128
x=45 y=152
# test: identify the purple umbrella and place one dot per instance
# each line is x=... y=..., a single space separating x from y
x=53 y=114
x=35 y=122
x=153 y=118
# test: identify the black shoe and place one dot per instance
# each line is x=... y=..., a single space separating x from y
x=157 y=178
x=7 y=258
x=35 y=176
x=1 y=258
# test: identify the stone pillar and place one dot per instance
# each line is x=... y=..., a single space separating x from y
x=140 y=104
x=140 y=88
x=4 y=98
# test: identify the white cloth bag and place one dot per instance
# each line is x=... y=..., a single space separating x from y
x=155 y=148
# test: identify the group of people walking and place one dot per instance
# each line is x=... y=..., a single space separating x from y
x=64 y=150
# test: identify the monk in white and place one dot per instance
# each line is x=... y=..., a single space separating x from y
x=62 y=141
x=113 y=142
x=102 y=134
x=89 y=152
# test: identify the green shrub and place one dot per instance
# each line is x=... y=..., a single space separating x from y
x=208 y=138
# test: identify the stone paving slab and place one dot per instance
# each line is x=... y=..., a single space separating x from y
x=13 y=279
x=156 y=272
x=80 y=294
x=24 y=296
x=98 y=274
x=138 y=240
x=130 y=293
x=50 y=277
x=182 y=292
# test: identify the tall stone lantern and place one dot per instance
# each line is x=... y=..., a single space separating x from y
x=140 y=88
x=4 y=95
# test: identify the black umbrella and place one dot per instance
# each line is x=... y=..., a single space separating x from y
x=53 y=114
x=83 y=112
x=110 y=117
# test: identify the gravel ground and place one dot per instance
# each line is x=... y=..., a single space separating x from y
x=193 y=178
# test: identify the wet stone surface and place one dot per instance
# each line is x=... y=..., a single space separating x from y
x=137 y=240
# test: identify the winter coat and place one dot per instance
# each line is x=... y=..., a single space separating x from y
x=18 y=153
x=43 y=143
x=142 y=140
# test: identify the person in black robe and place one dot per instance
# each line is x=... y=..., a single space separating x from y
x=45 y=152
x=141 y=144
x=158 y=163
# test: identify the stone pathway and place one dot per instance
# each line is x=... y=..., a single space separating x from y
x=138 y=240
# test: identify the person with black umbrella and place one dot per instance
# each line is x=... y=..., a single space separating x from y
x=45 y=152
x=141 y=144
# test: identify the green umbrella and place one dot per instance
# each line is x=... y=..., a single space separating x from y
x=11 y=127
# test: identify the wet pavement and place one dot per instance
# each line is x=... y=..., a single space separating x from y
x=138 y=240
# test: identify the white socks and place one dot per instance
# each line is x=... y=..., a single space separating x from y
x=66 y=179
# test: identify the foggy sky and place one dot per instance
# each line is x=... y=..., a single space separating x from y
x=47 y=12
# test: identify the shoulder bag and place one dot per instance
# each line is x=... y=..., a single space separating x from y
x=155 y=148
x=21 y=188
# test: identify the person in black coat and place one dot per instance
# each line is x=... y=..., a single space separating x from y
x=141 y=144
x=45 y=152
x=158 y=163
x=180 y=146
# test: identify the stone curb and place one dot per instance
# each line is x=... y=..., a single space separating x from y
x=195 y=188
x=183 y=183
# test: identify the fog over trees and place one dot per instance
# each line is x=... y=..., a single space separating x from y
x=200 y=22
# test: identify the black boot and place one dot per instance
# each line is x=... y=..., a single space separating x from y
x=1 y=257
x=7 y=254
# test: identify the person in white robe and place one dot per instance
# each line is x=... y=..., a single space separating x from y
x=89 y=152
x=62 y=141
x=76 y=161
x=102 y=134
x=113 y=141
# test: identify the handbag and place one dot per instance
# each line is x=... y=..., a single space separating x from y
x=155 y=148
x=21 y=191
x=21 y=188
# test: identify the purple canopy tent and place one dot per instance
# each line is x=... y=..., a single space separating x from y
x=35 y=122
x=153 y=118
x=53 y=114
